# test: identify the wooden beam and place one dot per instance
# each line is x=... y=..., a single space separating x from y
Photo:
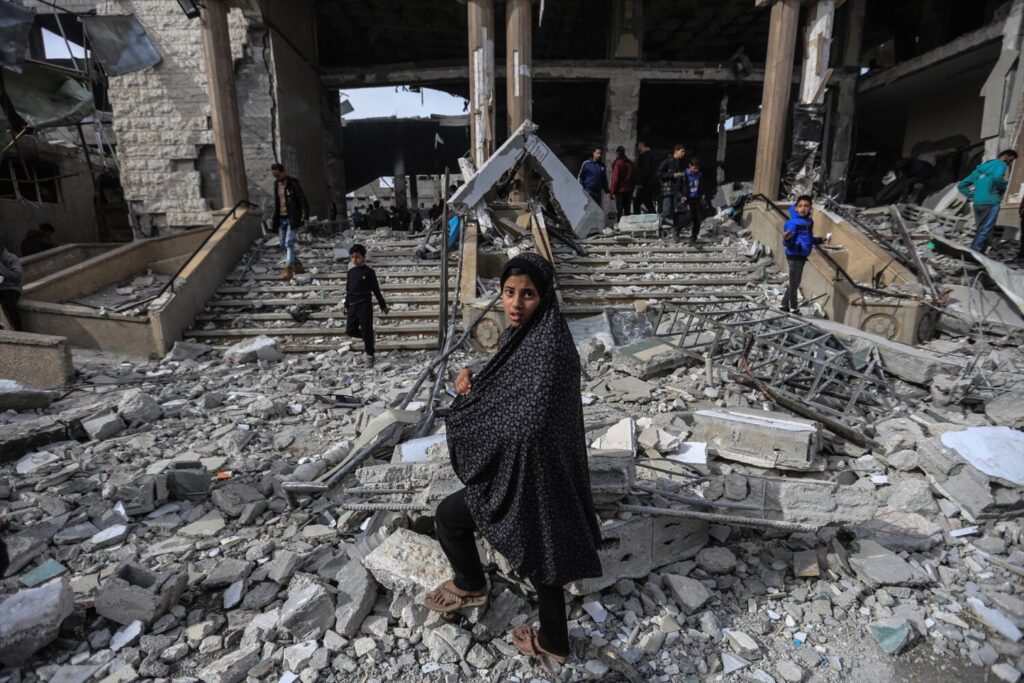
x=220 y=83
x=778 y=80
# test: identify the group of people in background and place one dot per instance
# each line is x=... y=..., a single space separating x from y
x=398 y=218
x=676 y=188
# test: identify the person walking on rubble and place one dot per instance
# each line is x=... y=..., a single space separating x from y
x=695 y=194
x=516 y=440
x=799 y=241
x=646 y=177
x=291 y=212
x=10 y=286
x=670 y=170
x=985 y=187
x=358 y=306
x=622 y=182
x=592 y=175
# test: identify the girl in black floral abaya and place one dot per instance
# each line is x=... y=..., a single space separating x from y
x=516 y=439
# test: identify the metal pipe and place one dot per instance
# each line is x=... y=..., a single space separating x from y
x=442 y=320
x=719 y=519
x=389 y=507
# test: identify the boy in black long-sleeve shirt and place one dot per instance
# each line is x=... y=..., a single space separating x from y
x=362 y=282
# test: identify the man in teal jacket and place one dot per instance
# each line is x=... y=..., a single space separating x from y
x=985 y=187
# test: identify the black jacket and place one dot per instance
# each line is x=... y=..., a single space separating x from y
x=645 y=174
x=668 y=167
x=361 y=283
x=295 y=198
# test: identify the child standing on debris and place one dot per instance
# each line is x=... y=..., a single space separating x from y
x=985 y=187
x=695 y=192
x=799 y=240
x=516 y=440
x=358 y=307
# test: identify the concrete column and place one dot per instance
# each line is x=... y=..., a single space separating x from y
x=414 y=192
x=220 y=82
x=621 y=106
x=334 y=159
x=627 y=30
x=518 y=61
x=778 y=79
x=842 y=140
x=480 y=22
x=816 y=51
x=401 y=197
x=1002 y=90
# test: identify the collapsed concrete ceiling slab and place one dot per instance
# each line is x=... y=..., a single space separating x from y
x=524 y=146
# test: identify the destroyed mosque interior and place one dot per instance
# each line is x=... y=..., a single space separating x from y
x=271 y=272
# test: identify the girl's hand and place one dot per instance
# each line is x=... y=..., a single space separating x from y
x=464 y=381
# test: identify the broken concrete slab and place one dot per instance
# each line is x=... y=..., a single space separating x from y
x=994 y=451
x=138 y=407
x=611 y=475
x=308 y=613
x=136 y=592
x=407 y=562
x=976 y=494
x=878 y=566
x=31 y=462
x=103 y=425
x=995 y=620
x=23 y=436
x=1006 y=410
x=760 y=438
x=251 y=350
x=620 y=437
x=690 y=595
x=232 y=498
x=909 y=363
x=233 y=667
x=357 y=592
x=32 y=619
x=581 y=212
x=647 y=358
x=893 y=635
x=403 y=418
x=626 y=551
x=16 y=396
x=209 y=524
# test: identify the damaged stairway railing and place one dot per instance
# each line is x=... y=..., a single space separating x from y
x=802 y=368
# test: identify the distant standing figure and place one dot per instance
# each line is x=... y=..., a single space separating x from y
x=417 y=219
x=695 y=193
x=622 y=182
x=358 y=219
x=985 y=187
x=670 y=170
x=38 y=240
x=592 y=176
x=10 y=286
x=381 y=219
x=291 y=212
x=645 y=177
x=799 y=240
x=358 y=306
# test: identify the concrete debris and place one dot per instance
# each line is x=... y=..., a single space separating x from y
x=16 y=396
x=32 y=619
x=768 y=440
x=154 y=499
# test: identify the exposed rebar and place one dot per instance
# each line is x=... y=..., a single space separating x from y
x=719 y=519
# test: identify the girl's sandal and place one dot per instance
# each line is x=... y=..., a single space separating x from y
x=527 y=642
x=446 y=600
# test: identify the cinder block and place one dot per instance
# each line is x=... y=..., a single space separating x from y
x=135 y=592
x=625 y=551
x=611 y=475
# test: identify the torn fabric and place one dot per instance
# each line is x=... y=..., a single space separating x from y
x=120 y=44
x=45 y=98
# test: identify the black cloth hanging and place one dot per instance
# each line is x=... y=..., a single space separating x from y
x=518 y=444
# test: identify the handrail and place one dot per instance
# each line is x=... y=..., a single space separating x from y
x=230 y=214
x=839 y=269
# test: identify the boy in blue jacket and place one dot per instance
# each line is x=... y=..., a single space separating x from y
x=799 y=240
x=985 y=187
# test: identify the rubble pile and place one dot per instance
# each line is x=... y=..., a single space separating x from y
x=150 y=535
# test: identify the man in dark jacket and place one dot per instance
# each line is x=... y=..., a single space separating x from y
x=670 y=170
x=646 y=179
x=593 y=177
x=10 y=286
x=291 y=212
x=622 y=182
